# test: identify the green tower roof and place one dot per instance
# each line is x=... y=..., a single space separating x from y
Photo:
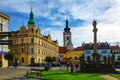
x=31 y=20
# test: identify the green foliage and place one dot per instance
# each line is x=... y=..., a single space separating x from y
x=113 y=58
x=53 y=59
x=88 y=59
x=48 y=59
x=105 y=59
x=66 y=75
x=9 y=56
x=0 y=63
x=116 y=76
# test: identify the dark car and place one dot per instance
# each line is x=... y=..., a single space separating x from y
x=47 y=67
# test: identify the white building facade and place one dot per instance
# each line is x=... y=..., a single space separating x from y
x=3 y=28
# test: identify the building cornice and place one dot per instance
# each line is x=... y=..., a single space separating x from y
x=4 y=15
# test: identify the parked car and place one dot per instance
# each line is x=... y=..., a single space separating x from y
x=47 y=67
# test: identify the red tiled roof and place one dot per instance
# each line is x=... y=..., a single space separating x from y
x=115 y=47
x=78 y=48
x=103 y=45
x=62 y=50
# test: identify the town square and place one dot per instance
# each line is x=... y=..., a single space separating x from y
x=59 y=40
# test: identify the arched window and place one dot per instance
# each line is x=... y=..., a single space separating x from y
x=32 y=30
x=22 y=60
x=67 y=38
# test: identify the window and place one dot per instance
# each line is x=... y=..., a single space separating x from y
x=67 y=38
x=118 y=57
x=88 y=52
x=39 y=60
x=104 y=51
x=22 y=50
x=32 y=40
x=15 y=50
x=32 y=30
x=0 y=21
x=22 y=60
x=39 y=51
x=32 y=50
x=21 y=40
x=1 y=28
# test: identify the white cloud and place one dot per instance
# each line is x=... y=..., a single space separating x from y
x=106 y=12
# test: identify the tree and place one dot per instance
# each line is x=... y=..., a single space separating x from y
x=88 y=59
x=105 y=59
x=118 y=58
x=108 y=59
x=113 y=58
x=53 y=59
x=9 y=56
x=48 y=59
x=0 y=63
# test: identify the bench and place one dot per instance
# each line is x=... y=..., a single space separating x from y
x=34 y=73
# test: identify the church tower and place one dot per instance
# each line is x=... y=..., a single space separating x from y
x=31 y=23
x=67 y=37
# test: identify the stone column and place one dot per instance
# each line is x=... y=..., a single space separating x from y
x=95 y=41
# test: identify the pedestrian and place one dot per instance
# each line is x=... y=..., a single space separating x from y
x=67 y=65
x=72 y=68
x=76 y=67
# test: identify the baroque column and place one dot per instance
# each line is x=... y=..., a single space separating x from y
x=95 y=41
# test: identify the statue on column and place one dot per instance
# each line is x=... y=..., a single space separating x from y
x=95 y=56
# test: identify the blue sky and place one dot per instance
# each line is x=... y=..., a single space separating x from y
x=50 y=16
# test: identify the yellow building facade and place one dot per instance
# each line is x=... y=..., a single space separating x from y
x=73 y=55
x=30 y=46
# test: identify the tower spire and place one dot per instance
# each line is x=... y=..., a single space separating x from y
x=66 y=23
x=31 y=7
x=67 y=29
x=31 y=19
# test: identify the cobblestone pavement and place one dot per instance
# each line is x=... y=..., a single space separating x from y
x=15 y=73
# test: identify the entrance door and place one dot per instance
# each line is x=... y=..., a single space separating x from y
x=32 y=60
